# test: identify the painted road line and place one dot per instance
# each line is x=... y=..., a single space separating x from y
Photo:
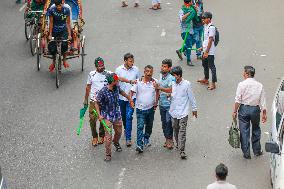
x=118 y=185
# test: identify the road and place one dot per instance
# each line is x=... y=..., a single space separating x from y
x=38 y=144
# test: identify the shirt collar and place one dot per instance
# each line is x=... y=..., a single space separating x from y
x=250 y=78
x=180 y=82
x=123 y=67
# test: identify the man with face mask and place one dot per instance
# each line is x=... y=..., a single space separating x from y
x=128 y=73
x=96 y=81
x=106 y=104
x=181 y=97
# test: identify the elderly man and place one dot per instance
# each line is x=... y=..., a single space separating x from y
x=249 y=102
x=146 y=103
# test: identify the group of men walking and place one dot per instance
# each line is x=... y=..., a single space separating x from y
x=115 y=95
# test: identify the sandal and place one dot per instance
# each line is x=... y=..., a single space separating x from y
x=183 y=155
x=117 y=147
x=95 y=141
x=101 y=140
x=203 y=81
x=211 y=87
x=153 y=8
x=108 y=158
x=124 y=4
x=170 y=145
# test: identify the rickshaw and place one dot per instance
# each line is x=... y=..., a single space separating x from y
x=76 y=48
x=32 y=26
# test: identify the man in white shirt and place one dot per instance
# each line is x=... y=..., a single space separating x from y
x=221 y=175
x=129 y=74
x=181 y=97
x=146 y=103
x=96 y=81
x=208 y=51
x=249 y=102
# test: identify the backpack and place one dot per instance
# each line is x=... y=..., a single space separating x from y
x=217 y=36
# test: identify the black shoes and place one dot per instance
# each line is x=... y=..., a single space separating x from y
x=183 y=155
x=139 y=149
x=259 y=153
x=247 y=156
x=117 y=147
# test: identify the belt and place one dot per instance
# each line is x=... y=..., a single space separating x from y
x=249 y=105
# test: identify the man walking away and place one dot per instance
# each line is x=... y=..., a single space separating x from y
x=208 y=51
x=182 y=96
x=249 y=102
x=128 y=73
x=146 y=103
x=186 y=14
x=221 y=172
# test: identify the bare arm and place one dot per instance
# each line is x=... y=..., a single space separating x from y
x=50 y=25
x=236 y=108
x=125 y=95
x=122 y=79
x=209 y=44
x=69 y=26
x=88 y=89
x=184 y=17
x=166 y=90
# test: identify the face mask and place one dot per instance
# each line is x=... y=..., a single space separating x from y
x=174 y=79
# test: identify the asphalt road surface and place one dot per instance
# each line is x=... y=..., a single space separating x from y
x=39 y=147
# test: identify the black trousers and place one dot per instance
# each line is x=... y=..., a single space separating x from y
x=208 y=63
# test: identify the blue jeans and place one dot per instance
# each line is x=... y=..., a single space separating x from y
x=249 y=115
x=166 y=122
x=188 y=44
x=127 y=117
x=197 y=38
x=144 y=117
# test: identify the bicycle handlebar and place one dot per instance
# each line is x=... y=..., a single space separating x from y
x=36 y=11
x=59 y=40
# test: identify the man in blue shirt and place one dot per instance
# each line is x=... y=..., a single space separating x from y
x=165 y=81
x=60 y=27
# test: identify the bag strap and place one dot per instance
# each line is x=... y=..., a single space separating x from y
x=234 y=124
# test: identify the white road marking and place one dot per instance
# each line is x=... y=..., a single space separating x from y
x=267 y=133
x=22 y=7
x=118 y=185
x=263 y=55
x=168 y=3
x=163 y=34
